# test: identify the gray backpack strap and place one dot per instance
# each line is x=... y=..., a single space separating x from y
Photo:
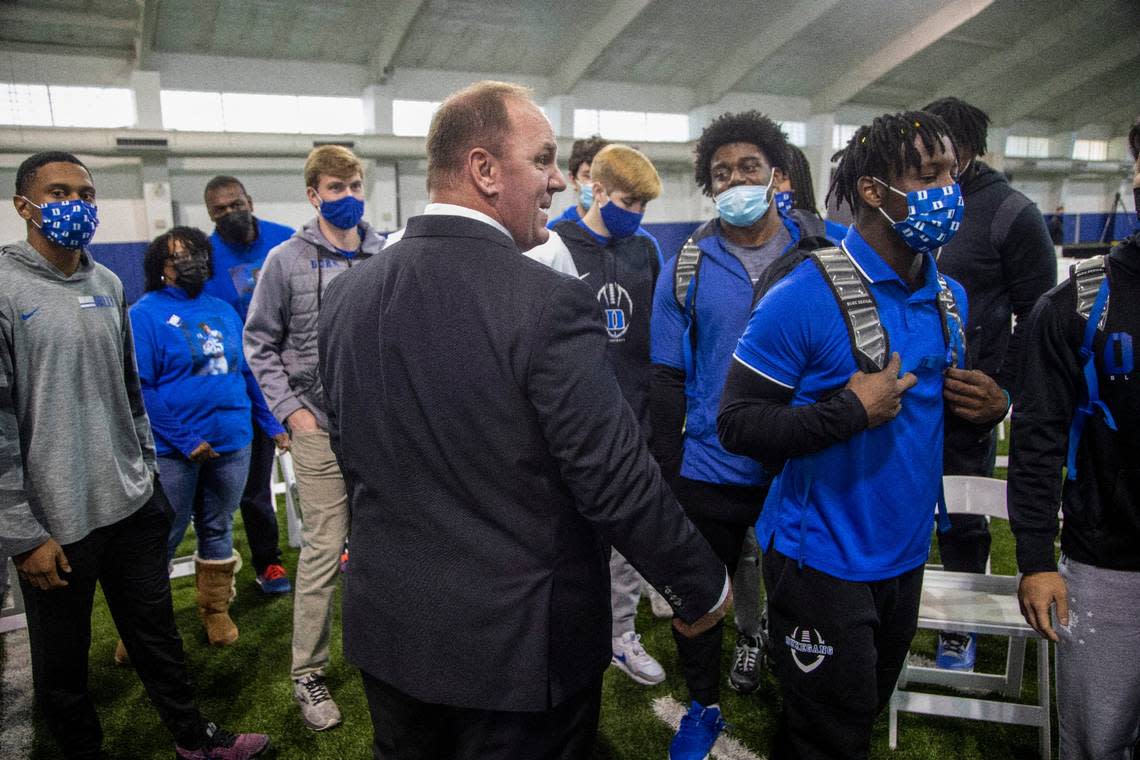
x=1086 y=277
x=688 y=261
x=1005 y=216
x=869 y=342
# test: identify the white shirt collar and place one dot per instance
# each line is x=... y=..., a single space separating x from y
x=450 y=209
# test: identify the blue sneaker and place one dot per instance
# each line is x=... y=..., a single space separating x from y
x=274 y=581
x=698 y=732
x=957 y=651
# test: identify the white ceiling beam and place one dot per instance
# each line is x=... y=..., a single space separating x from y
x=1103 y=109
x=1071 y=77
x=397 y=23
x=593 y=43
x=987 y=77
x=749 y=55
x=910 y=42
x=15 y=15
x=145 y=34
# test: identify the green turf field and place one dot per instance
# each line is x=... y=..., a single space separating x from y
x=246 y=686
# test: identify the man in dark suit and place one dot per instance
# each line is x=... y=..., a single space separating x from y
x=490 y=460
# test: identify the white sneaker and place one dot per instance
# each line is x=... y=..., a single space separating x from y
x=318 y=709
x=634 y=661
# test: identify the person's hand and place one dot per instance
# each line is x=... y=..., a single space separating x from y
x=1036 y=594
x=702 y=624
x=880 y=393
x=202 y=452
x=39 y=566
x=974 y=396
x=302 y=421
x=282 y=441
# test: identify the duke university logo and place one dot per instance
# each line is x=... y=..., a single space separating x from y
x=808 y=648
x=618 y=307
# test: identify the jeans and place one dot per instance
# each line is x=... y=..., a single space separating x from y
x=218 y=483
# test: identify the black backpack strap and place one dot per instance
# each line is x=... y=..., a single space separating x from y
x=953 y=331
x=869 y=342
x=1006 y=214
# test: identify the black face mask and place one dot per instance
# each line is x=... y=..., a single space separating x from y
x=192 y=275
x=237 y=227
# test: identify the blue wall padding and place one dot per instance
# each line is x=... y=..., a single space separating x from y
x=126 y=261
x=671 y=235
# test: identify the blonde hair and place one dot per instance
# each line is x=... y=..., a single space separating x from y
x=333 y=161
x=626 y=169
x=475 y=116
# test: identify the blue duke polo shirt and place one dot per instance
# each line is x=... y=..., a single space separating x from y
x=861 y=509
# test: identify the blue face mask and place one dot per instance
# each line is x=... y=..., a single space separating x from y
x=784 y=201
x=70 y=224
x=344 y=213
x=619 y=221
x=933 y=216
x=586 y=196
x=742 y=205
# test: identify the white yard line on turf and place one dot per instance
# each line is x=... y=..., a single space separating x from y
x=670 y=711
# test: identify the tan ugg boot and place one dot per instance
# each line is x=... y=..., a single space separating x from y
x=121 y=656
x=216 y=589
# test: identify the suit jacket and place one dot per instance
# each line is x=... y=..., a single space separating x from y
x=491 y=460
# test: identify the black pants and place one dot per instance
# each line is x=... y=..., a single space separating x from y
x=837 y=648
x=257 y=504
x=723 y=514
x=966 y=546
x=405 y=728
x=128 y=559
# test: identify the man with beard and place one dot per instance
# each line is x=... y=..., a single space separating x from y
x=241 y=242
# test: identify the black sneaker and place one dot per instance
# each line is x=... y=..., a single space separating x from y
x=747 y=665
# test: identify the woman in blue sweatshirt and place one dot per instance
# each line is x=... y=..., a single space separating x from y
x=198 y=390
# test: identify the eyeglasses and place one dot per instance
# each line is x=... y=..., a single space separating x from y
x=748 y=167
x=188 y=255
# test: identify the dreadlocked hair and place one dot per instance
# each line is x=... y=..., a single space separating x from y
x=884 y=149
x=1134 y=140
x=745 y=127
x=799 y=174
x=968 y=124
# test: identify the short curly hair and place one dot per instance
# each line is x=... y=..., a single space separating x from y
x=744 y=127
x=584 y=150
x=154 y=259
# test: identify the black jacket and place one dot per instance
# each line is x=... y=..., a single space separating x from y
x=1102 y=508
x=490 y=460
x=1003 y=257
x=621 y=274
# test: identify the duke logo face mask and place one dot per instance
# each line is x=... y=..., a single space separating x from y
x=70 y=224
x=784 y=201
x=933 y=216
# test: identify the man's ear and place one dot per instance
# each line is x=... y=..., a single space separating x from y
x=314 y=199
x=871 y=192
x=779 y=177
x=483 y=169
x=249 y=202
x=23 y=208
x=601 y=197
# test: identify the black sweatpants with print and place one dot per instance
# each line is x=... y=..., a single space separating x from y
x=837 y=647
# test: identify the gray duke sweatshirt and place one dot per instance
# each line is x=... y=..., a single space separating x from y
x=76 y=451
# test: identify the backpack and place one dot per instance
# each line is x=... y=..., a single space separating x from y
x=1089 y=279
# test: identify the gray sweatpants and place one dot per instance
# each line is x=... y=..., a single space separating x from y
x=1098 y=671
x=625 y=593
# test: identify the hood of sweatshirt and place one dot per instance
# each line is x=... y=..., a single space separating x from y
x=22 y=254
x=370 y=240
x=982 y=177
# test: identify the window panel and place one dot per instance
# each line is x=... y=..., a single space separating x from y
x=585 y=122
x=25 y=105
x=92 y=106
x=192 y=111
x=248 y=112
x=331 y=116
x=412 y=118
x=796 y=131
x=666 y=127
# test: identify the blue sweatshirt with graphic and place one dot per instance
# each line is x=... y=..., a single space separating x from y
x=195 y=382
x=236 y=267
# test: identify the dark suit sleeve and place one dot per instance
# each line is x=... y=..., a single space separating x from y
x=593 y=434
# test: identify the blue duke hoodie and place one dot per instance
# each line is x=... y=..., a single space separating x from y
x=195 y=381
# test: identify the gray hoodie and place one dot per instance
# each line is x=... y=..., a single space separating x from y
x=76 y=451
x=280 y=337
